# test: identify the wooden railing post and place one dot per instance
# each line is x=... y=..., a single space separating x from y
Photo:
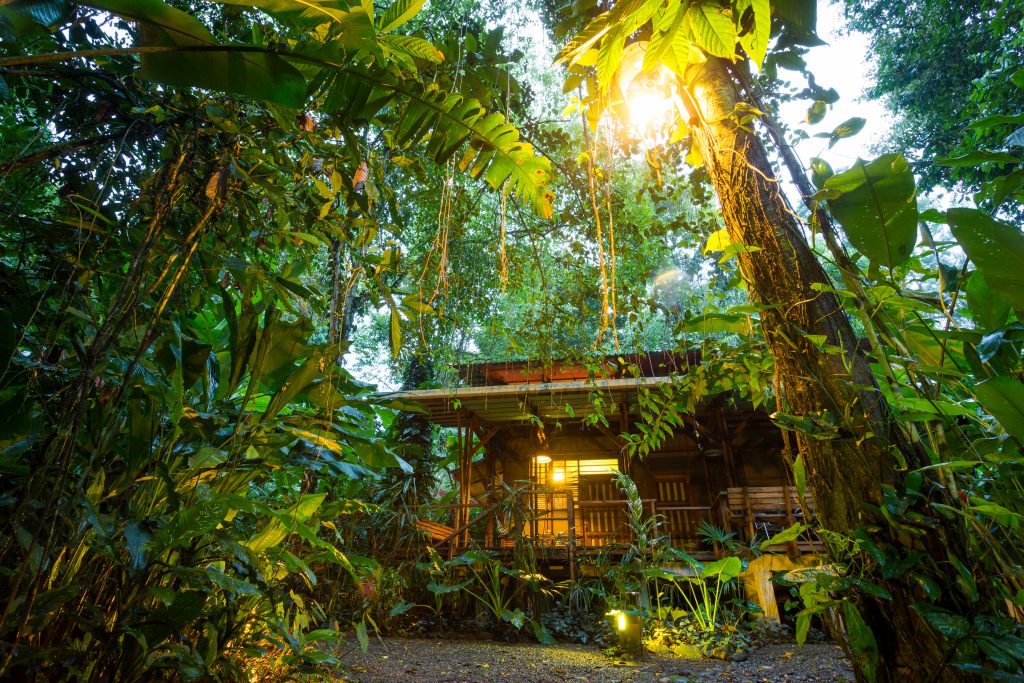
x=583 y=527
x=749 y=514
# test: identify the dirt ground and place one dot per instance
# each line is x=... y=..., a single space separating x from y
x=482 y=661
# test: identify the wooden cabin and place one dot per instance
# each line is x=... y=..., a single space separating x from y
x=522 y=431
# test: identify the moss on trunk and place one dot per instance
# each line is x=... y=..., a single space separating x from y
x=847 y=472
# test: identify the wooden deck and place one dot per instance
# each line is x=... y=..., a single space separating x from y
x=561 y=530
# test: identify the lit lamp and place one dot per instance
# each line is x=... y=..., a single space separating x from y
x=558 y=476
x=542 y=459
x=627 y=626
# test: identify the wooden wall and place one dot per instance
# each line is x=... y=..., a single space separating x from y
x=754 y=444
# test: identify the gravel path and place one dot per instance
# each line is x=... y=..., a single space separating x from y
x=478 y=661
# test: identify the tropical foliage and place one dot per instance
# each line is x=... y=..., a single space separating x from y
x=211 y=208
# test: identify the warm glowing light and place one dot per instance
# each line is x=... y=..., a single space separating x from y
x=558 y=475
x=542 y=459
x=621 y=621
x=651 y=108
x=651 y=98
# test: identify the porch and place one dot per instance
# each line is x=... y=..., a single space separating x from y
x=561 y=530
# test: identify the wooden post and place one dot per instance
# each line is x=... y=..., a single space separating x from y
x=748 y=514
x=570 y=516
x=793 y=550
x=468 y=495
x=491 y=477
x=727 y=454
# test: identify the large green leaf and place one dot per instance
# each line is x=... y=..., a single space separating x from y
x=877 y=206
x=233 y=69
x=314 y=367
x=979 y=157
x=988 y=309
x=996 y=248
x=724 y=569
x=412 y=46
x=399 y=12
x=582 y=41
x=713 y=29
x=862 y=641
x=310 y=12
x=1003 y=398
x=281 y=524
x=787 y=535
x=45 y=12
x=200 y=61
x=608 y=57
x=755 y=40
x=799 y=16
x=286 y=344
x=161 y=24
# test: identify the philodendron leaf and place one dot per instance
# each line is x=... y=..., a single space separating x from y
x=996 y=248
x=877 y=207
x=724 y=569
x=541 y=632
x=443 y=589
x=1003 y=398
x=785 y=536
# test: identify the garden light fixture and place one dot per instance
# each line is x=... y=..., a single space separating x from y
x=628 y=627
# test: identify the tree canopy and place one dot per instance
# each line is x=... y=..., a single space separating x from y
x=213 y=212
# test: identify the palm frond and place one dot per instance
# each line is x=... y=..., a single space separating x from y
x=447 y=123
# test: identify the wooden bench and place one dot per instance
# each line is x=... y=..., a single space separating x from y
x=439 y=533
x=768 y=509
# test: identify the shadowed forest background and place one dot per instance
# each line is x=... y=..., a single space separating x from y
x=221 y=217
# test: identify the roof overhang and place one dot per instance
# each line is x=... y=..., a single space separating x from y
x=518 y=403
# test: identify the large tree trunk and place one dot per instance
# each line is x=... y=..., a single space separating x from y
x=846 y=472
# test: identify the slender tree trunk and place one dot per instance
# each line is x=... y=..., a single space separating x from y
x=412 y=433
x=868 y=450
